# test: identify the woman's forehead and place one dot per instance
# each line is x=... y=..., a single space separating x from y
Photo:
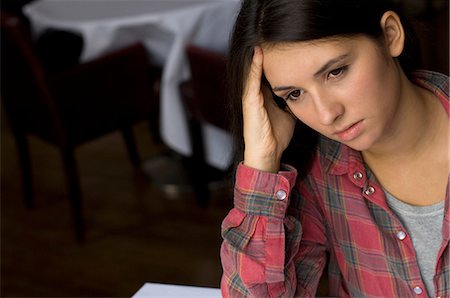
x=333 y=41
x=284 y=62
x=320 y=47
x=304 y=50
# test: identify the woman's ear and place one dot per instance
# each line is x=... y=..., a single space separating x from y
x=394 y=35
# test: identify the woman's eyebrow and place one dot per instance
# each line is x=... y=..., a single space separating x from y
x=282 y=88
x=330 y=63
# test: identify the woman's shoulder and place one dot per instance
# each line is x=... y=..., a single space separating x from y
x=431 y=80
x=435 y=82
x=429 y=75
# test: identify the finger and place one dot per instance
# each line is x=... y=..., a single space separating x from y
x=253 y=83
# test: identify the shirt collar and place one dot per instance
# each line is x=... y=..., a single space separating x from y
x=338 y=157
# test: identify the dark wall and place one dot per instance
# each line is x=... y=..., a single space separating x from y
x=430 y=19
x=14 y=6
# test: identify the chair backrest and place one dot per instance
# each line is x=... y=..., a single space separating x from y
x=59 y=50
x=24 y=91
x=209 y=103
x=108 y=93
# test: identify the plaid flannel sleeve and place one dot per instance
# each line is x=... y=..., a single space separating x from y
x=253 y=252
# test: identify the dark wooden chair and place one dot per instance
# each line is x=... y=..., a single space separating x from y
x=208 y=101
x=72 y=106
x=205 y=99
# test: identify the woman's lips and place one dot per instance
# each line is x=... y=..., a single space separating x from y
x=351 y=132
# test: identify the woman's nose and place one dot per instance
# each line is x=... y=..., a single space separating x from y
x=328 y=111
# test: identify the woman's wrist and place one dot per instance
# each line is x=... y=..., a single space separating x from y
x=262 y=164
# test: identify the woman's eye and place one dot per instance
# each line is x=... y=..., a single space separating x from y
x=337 y=72
x=294 y=95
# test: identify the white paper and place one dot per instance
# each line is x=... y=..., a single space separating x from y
x=155 y=290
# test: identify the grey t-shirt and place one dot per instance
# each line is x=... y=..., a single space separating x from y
x=424 y=225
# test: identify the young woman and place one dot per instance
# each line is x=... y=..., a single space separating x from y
x=371 y=201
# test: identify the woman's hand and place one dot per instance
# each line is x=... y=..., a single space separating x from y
x=267 y=129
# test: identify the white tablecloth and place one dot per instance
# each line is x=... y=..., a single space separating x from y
x=165 y=27
x=154 y=290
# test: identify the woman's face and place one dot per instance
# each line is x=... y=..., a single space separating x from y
x=347 y=89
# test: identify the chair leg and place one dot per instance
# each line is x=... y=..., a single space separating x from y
x=25 y=165
x=153 y=125
x=130 y=142
x=73 y=182
x=196 y=164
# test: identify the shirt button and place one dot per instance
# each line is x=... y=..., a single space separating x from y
x=401 y=235
x=418 y=290
x=370 y=190
x=358 y=176
x=281 y=195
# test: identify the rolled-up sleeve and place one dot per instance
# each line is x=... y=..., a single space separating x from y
x=254 y=232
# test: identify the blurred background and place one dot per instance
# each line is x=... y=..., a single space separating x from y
x=115 y=162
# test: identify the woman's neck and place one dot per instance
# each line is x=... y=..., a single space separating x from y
x=412 y=163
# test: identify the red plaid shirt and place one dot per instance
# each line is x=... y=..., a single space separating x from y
x=279 y=234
